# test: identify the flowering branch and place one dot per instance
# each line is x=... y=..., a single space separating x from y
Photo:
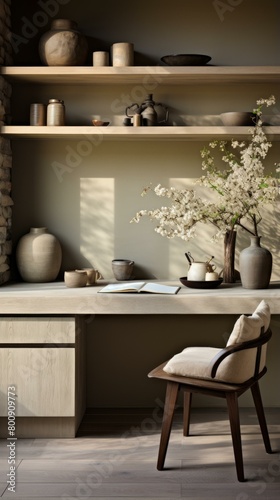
x=180 y=218
x=242 y=189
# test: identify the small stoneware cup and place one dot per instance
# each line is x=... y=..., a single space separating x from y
x=122 y=269
x=211 y=276
x=92 y=275
x=100 y=58
x=75 y=279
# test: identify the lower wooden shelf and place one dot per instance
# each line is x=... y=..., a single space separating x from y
x=111 y=133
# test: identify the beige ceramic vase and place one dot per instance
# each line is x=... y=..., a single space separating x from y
x=38 y=256
x=63 y=45
x=255 y=264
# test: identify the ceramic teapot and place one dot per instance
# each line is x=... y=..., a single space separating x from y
x=147 y=111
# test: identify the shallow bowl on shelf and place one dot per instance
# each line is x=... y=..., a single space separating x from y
x=100 y=123
x=238 y=118
x=201 y=284
x=186 y=59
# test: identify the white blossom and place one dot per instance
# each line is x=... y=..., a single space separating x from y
x=242 y=189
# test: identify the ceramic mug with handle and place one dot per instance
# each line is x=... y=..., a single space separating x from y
x=92 y=275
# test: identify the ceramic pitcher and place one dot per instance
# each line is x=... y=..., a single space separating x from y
x=197 y=271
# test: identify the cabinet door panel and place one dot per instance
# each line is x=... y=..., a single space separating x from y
x=44 y=379
x=22 y=330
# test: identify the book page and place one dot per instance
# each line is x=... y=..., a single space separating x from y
x=123 y=287
x=158 y=288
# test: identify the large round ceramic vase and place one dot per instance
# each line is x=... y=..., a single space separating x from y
x=38 y=256
x=255 y=265
x=63 y=45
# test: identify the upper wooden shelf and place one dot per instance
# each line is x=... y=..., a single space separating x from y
x=134 y=133
x=70 y=75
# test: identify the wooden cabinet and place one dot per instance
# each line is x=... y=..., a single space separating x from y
x=44 y=379
x=43 y=358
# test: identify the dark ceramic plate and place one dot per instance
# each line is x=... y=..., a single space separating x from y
x=201 y=284
x=186 y=60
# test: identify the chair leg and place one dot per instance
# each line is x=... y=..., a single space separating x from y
x=232 y=403
x=187 y=412
x=256 y=393
x=169 y=407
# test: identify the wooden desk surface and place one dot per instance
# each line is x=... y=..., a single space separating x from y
x=56 y=298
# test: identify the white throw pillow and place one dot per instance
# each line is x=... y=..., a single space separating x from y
x=263 y=311
x=245 y=328
x=249 y=327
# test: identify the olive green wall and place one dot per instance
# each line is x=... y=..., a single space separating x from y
x=122 y=350
x=87 y=191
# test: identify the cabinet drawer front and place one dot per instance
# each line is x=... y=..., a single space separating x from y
x=23 y=330
x=44 y=381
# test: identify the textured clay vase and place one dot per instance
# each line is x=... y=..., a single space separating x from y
x=255 y=263
x=63 y=45
x=38 y=256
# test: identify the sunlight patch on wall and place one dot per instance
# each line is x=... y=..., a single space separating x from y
x=97 y=205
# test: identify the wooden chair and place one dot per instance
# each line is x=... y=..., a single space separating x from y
x=210 y=387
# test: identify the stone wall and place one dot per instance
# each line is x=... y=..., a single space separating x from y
x=6 y=203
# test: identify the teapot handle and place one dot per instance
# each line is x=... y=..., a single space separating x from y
x=130 y=107
x=189 y=258
x=166 y=112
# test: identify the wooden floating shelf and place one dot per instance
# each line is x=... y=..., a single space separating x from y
x=98 y=134
x=179 y=75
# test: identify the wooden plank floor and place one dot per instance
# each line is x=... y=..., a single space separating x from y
x=115 y=453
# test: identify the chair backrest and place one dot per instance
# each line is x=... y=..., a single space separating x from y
x=245 y=354
x=255 y=346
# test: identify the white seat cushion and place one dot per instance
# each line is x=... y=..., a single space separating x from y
x=236 y=368
x=192 y=362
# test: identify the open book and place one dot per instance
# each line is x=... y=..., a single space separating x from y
x=139 y=287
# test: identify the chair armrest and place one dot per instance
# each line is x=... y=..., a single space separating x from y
x=241 y=346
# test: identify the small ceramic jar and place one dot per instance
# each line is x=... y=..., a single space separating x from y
x=56 y=112
x=38 y=114
x=122 y=54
